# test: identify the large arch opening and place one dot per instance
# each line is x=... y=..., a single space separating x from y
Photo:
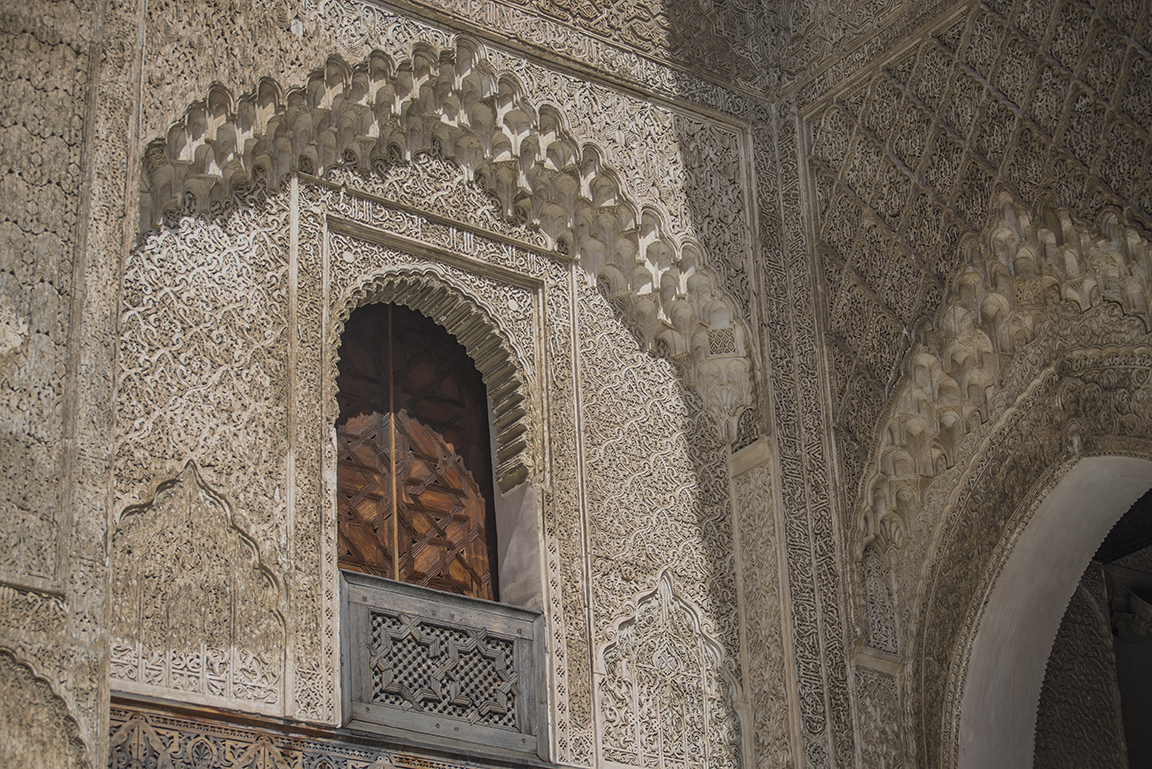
x=1020 y=620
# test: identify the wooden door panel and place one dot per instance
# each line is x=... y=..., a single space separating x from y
x=394 y=360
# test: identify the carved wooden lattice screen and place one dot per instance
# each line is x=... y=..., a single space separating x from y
x=412 y=436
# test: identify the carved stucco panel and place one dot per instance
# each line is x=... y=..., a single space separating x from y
x=658 y=504
x=565 y=535
x=767 y=657
x=880 y=717
x=665 y=694
x=40 y=149
x=668 y=47
x=795 y=356
x=40 y=732
x=198 y=614
x=203 y=359
x=909 y=159
x=202 y=374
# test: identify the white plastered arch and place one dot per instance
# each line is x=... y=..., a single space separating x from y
x=1018 y=625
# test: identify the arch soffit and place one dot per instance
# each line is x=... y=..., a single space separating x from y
x=982 y=521
x=999 y=671
x=955 y=379
x=501 y=365
x=521 y=153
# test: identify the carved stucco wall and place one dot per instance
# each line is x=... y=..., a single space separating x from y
x=156 y=58
x=1032 y=99
x=931 y=314
x=303 y=278
x=40 y=732
x=1078 y=720
x=1070 y=379
x=51 y=602
x=650 y=446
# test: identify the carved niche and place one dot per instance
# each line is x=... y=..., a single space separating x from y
x=39 y=732
x=196 y=612
x=666 y=696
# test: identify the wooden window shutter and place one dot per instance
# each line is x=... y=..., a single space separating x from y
x=414 y=465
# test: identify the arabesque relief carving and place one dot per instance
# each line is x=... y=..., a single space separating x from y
x=767 y=659
x=667 y=698
x=523 y=156
x=1033 y=100
x=198 y=613
x=1043 y=313
x=1039 y=354
x=40 y=146
x=40 y=733
x=801 y=418
x=622 y=36
x=1005 y=287
x=1073 y=399
x=650 y=445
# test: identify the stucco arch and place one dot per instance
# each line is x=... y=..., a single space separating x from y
x=1007 y=284
x=1073 y=411
x=1036 y=575
x=501 y=365
x=1022 y=373
x=384 y=111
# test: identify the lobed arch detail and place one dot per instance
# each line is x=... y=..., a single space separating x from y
x=383 y=110
x=500 y=363
x=1025 y=264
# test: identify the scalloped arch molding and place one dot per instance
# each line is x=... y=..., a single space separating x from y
x=522 y=155
x=453 y=306
x=1024 y=265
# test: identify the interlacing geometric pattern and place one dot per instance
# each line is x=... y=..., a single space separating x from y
x=464 y=673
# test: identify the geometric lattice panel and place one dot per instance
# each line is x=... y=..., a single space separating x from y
x=437 y=668
x=462 y=673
